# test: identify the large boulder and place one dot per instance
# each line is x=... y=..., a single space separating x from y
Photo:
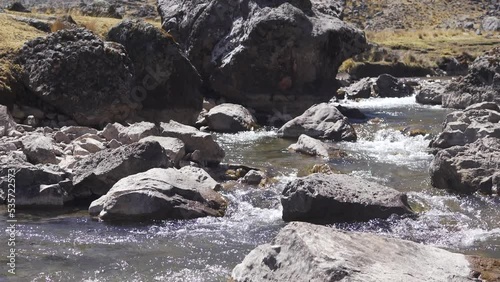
x=463 y=127
x=39 y=149
x=388 y=86
x=230 y=118
x=469 y=168
x=167 y=83
x=266 y=55
x=491 y=24
x=161 y=194
x=322 y=121
x=330 y=198
x=431 y=93
x=80 y=75
x=310 y=146
x=35 y=185
x=481 y=84
x=174 y=148
x=357 y=90
x=208 y=151
x=97 y=173
x=307 y=252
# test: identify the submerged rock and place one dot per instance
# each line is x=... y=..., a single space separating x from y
x=161 y=194
x=97 y=173
x=307 y=252
x=330 y=198
x=323 y=121
x=230 y=118
x=210 y=152
x=266 y=56
x=481 y=84
x=167 y=83
x=80 y=75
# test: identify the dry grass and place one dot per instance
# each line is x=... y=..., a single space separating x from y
x=13 y=34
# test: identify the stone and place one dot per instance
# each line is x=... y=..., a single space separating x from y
x=97 y=173
x=211 y=153
x=230 y=118
x=31 y=121
x=77 y=131
x=111 y=131
x=491 y=24
x=266 y=56
x=331 y=198
x=389 y=86
x=307 y=252
x=174 y=147
x=310 y=146
x=136 y=131
x=79 y=75
x=39 y=149
x=7 y=123
x=321 y=121
x=166 y=80
x=357 y=90
x=100 y=9
x=113 y=144
x=431 y=93
x=78 y=151
x=17 y=7
x=161 y=194
x=253 y=177
x=90 y=145
x=481 y=84
x=469 y=168
x=61 y=137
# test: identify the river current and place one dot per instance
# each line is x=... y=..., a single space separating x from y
x=67 y=245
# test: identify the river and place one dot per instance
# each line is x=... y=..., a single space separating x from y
x=67 y=245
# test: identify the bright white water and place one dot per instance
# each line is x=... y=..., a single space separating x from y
x=69 y=246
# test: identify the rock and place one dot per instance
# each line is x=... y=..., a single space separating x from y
x=39 y=149
x=230 y=118
x=322 y=121
x=272 y=56
x=330 y=198
x=17 y=7
x=431 y=93
x=36 y=185
x=7 y=123
x=100 y=9
x=463 y=127
x=61 y=137
x=113 y=144
x=36 y=23
x=111 y=131
x=350 y=112
x=357 y=90
x=136 y=132
x=389 y=86
x=211 y=152
x=31 y=121
x=253 y=177
x=481 y=84
x=310 y=146
x=491 y=24
x=161 y=194
x=174 y=147
x=97 y=173
x=166 y=80
x=307 y=252
x=74 y=132
x=469 y=168
x=80 y=75
x=90 y=145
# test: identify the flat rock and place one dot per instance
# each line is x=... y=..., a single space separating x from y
x=161 y=194
x=329 y=198
x=323 y=121
x=174 y=148
x=307 y=252
x=97 y=173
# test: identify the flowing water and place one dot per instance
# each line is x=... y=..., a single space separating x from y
x=69 y=246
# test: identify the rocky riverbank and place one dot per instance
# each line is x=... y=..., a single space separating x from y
x=124 y=127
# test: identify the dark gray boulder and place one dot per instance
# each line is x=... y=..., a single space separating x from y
x=323 y=121
x=265 y=55
x=80 y=75
x=481 y=84
x=388 y=86
x=18 y=7
x=97 y=173
x=167 y=84
x=330 y=198
x=161 y=194
x=431 y=93
x=307 y=252
x=357 y=90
